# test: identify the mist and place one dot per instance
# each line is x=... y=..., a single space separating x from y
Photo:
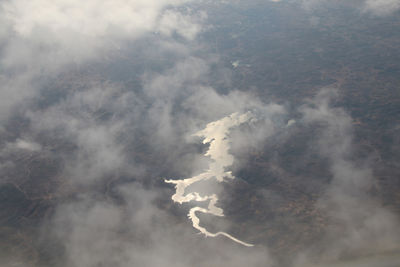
x=129 y=138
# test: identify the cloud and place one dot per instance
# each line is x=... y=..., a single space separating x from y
x=359 y=224
x=13 y=90
x=106 y=134
x=40 y=39
x=49 y=34
x=173 y=22
x=45 y=41
x=382 y=7
x=25 y=145
x=376 y=7
x=62 y=62
x=312 y=4
x=92 y=119
x=139 y=233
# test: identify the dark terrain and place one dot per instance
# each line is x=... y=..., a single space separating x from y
x=280 y=60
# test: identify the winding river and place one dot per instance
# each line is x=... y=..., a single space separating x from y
x=216 y=134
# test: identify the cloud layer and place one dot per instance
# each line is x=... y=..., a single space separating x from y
x=99 y=103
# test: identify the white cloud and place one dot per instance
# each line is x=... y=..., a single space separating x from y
x=95 y=232
x=359 y=222
x=90 y=18
x=48 y=34
x=43 y=38
x=27 y=145
x=382 y=7
x=187 y=27
x=79 y=118
x=376 y=7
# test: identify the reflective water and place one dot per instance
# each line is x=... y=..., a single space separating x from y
x=216 y=134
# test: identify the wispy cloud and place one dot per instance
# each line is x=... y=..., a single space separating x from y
x=359 y=224
x=382 y=7
x=113 y=140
